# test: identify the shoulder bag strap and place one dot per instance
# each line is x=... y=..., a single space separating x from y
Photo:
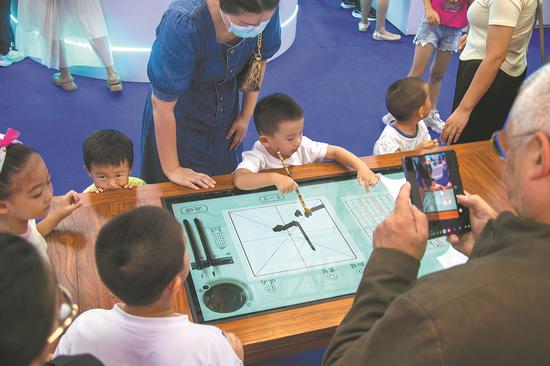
x=538 y=16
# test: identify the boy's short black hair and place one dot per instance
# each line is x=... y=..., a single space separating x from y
x=107 y=148
x=404 y=97
x=28 y=301
x=138 y=253
x=274 y=109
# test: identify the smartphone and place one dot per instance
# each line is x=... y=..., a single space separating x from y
x=435 y=183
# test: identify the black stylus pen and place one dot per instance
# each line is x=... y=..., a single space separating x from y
x=193 y=242
x=205 y=244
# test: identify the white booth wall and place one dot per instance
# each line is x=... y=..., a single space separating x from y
x=132 y=28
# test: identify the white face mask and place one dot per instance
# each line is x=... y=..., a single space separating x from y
x=244 y=31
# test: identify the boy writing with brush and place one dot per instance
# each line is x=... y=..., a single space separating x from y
x=279 y=120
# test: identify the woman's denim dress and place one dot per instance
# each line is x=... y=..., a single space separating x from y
x=187 y=65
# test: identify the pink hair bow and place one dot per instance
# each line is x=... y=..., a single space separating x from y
x=9 y=137
x=5 y=141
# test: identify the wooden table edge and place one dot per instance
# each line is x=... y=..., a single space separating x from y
x=297 y=328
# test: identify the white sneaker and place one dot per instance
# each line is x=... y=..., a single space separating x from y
x=388 y=118
x=363 y=26
x=377 y=36
x=14 y=56
x=347 y=4
x=4 y=61
x=434 y=122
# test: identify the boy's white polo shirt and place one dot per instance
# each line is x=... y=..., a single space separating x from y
x=259 y=158
x=118 y=338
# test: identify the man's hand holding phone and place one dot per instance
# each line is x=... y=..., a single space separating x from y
x=480 y=214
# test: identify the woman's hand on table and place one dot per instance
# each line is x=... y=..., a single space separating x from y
x=454 y=126
x=237 y=132
x=189 y=178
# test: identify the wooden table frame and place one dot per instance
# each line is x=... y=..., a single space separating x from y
x=269 y=335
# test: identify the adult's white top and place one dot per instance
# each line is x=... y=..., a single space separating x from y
x=519 y=14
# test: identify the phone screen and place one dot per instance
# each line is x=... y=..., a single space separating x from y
x=435 y=183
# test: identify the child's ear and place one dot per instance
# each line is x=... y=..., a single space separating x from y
x=87 y=171
x=171 y=289
x=264 y=140
x=175 y=285
x=422 y=113
x=4 y=209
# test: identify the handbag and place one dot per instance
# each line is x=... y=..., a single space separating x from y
x=250 y=78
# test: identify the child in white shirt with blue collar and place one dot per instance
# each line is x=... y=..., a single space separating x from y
x=409 y=102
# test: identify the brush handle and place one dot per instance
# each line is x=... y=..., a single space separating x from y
x=288 y=173
x=283 y=162
x=301 y=199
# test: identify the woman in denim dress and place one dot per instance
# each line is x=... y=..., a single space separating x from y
x=193 y=125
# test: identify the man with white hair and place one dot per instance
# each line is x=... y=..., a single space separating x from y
x=493 y=310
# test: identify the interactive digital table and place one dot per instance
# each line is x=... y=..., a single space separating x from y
x=256 y=251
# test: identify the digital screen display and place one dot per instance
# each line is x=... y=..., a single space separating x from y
x=256 y=251
x=437 y=182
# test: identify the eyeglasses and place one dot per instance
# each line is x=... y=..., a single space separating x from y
x=67 y=313
x=500 y=141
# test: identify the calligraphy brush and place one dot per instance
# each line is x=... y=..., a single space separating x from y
x=307 y=211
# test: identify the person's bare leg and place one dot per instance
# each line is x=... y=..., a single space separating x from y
x=422 y=55
x=381 y=12
x=65 y=73
x=63 y=78
x=64 y=70
x=102 y=48
x=111 y=72
x=437 y=72
x=365 y=8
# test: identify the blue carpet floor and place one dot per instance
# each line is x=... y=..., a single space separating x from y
x=338 y=74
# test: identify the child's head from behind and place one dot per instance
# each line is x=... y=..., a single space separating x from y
x=141 y=256
x=108 y=158
x=279 y=120
x=408 y=99
x=28 y=305
x=25 y=186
